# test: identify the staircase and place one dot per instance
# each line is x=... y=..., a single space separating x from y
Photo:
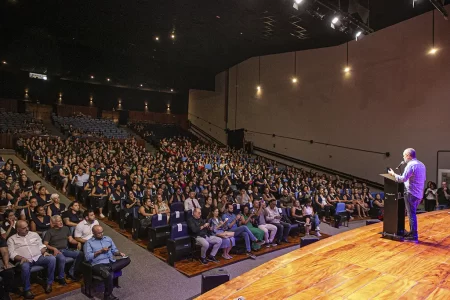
x=52 y=129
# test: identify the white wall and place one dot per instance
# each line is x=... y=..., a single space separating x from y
x=395 y=97
x=210 y=107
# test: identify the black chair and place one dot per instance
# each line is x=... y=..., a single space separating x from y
x=179 y=243
x=176 y=217
x=298 y=225
x=158 y=232
x=91 y=280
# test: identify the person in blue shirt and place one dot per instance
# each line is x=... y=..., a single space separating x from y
x=230 y=224
x=100 y=251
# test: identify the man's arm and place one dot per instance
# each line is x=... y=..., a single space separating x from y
x=5 y=256
x=407 y=173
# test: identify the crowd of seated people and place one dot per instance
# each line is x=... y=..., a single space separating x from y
x=37 y=230
x=112 y=177
x=21 y=123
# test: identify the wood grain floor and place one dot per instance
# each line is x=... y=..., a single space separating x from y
x=357 y=264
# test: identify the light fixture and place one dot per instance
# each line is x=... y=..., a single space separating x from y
x=4 y=62
x=347 y=67
x=298 y=1
x=171 y=90
x=92 y=76
x=156 y=38
x=433 y=49
x=107 y=79
x=218 y=17
x=45 y=77
x=294 y=79
x=258 y=87
x=413 y=2
x=335 y=22
x=141 y=84
x=172 y=36
x=359 y=35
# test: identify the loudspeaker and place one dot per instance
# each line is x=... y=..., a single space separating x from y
x=308 y=239
x=213 y=278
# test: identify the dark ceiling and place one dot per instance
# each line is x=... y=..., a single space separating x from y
x=116 y=39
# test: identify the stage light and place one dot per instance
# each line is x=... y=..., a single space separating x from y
x=157 y=38
x=107 y=79
x=298 y=1
x=294 y=80
x=258 y=88
x=172 y=36
x=358 y=34
x=141 y=84
x=171 y=90
x=347 y=69
x=335 y=20
x=45 y=77
x=4 y=62
x=433 y=51
x=92 y=76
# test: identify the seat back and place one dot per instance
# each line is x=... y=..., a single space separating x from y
x=159 y=220
x=237 y=208
x=176 y=217
x=179 y=230
x=177 y=206
x=340 y=207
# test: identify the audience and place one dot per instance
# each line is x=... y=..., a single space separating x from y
x=83 y=230
x=101 y=252
x=227 y=237
x=26 y=248
x=56 y=240
x=273 y=217
x=201 y=231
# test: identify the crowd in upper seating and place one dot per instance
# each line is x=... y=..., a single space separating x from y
x=17 y=123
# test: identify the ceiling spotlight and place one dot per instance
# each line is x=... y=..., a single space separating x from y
x=171 y=90
x=335 y=20
x=157 y=38
x=92 y=76
x=107 y=79
x=45 y=77
x=141 y=84
x=172 y=36
x=4 y=62
x=347 y=69
x=218 y=17
x=433 y=51
x=298 y=1
x=294 y=80
x=258 y=88
x=358 y=34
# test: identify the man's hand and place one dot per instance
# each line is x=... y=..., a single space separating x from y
x=56 y=252
x=122 y=254
x=391 y=172
x=79 y=246
x=104 y=250
x=23 y=260
x=46 y=254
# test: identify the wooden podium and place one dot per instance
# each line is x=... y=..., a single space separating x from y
x=394 y=208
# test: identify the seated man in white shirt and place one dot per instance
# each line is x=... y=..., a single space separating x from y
x=191 y=203
x=273 y=217
x=83 y=231
x=26 y=247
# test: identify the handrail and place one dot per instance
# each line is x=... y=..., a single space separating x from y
x=387 y=154
x=320 y=168
x=210 y=123
x=207 y=135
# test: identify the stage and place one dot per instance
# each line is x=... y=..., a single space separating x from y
x=357 y=264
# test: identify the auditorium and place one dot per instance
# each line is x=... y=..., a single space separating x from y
x=238 y=149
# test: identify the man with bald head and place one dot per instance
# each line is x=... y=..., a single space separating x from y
x=414 y=177
x=57 y=240
x=100 y=251
x=26 y=247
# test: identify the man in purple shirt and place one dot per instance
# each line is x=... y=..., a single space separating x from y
x=414 y=177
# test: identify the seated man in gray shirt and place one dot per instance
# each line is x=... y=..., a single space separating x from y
x=56 y=239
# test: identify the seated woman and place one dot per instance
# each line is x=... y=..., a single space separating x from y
x=43 y=197
x=178 y=196
x=56 y=208
x=40 y=223
x=361 y=206
x=29 y=212
x=227 y=237
x=248 y=218
x=309 y=214
x=349 y=206
x=296 y=212
x=146 y=212
x=9 y=224
x=161 y=206
x=378 y=202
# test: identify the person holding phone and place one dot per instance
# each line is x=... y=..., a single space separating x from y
x=414 y=177
x=101 y=252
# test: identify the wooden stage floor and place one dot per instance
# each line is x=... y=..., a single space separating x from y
x=357 y=264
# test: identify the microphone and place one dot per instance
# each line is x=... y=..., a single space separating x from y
x=400 y=164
